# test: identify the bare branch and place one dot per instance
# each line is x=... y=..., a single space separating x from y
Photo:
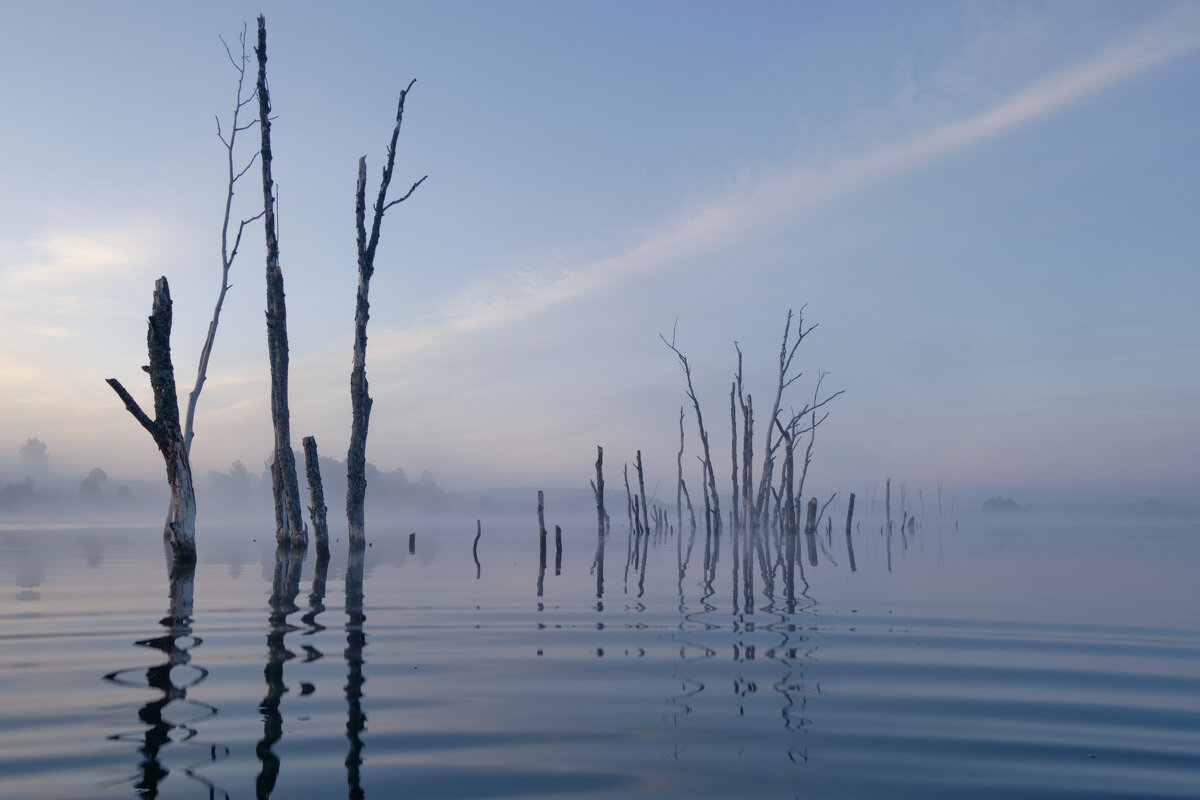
x=407 y=194
x=246 y=169
x=134 y=409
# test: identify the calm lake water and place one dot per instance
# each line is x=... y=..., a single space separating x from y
x=1003 y=659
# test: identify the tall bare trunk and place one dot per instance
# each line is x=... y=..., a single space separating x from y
x=712 y=502
x=642 y=493
x=228 y=252
x=734 y=446
x=360 y=400
x=180 y=528
x=289 y=517
x=598 y=491
x=679 y=482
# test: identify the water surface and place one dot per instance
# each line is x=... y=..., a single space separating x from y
x=1002 y=658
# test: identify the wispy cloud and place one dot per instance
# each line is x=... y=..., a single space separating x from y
x=775 y=200
x=68 y=268
x=52 y=331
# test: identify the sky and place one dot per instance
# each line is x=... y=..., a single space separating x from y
x=991 y=211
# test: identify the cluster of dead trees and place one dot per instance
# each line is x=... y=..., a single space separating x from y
x=173 y=439
x=768 y=500
x=771 y=498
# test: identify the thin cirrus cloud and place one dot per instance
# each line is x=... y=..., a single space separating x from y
x=68 y=269
x=776 y=200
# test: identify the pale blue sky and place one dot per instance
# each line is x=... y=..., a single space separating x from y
x=992 y=210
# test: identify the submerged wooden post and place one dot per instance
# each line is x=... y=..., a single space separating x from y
x=888 y=504
x=849 y=542
x=541 y=531
x=412 y=543
x=642 y=493
x=317 y=511
x=810 y=531
x=475 y=547
x=557 y=550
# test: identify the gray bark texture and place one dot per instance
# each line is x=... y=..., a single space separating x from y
x=289 y=515
x=317 y=511
x=360 y=400
x=180 y=529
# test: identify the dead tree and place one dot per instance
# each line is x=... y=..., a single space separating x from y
x=887 y=504
x=714 y=512
x=317 y=511
x=180 y=529
x=747 y=406
x=598 y=491
x=360 y=400
x=289 y=518
x=734 y=444
x=679 y=487
x=228 y=252
x=541 y=518
x=786 y=354
x=642 y=493
x=850 y=541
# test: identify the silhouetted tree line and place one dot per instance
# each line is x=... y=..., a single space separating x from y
x=239 y=492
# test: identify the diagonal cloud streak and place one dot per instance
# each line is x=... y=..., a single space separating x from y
x=776 y=200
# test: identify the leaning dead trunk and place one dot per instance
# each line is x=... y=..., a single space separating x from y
x=180 y=528
x=360 y=400
x=289 y=517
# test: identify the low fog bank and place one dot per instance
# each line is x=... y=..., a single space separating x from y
x=33 y=487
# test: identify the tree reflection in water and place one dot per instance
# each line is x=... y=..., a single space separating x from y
x=356 y=639
x=171 y=716
x=285 y=586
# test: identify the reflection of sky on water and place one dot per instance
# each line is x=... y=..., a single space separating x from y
x=431 y=675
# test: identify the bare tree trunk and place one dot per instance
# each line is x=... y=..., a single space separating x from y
x=785 y=363
x=227 y=254
x=628 y=500
x=360 y=400
x=316 y=491
x=598 y=491
x=679 y=483
x=810 y=531
x=541 y=518
x=849 y=541
x=289 y=519
x=712 y=503
x=688 y=498
x=747 y=406
x=642 y=493
x=180 y=529
x=788 y=494
x=475 y=547
x=888 y=504
x=734 y=444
